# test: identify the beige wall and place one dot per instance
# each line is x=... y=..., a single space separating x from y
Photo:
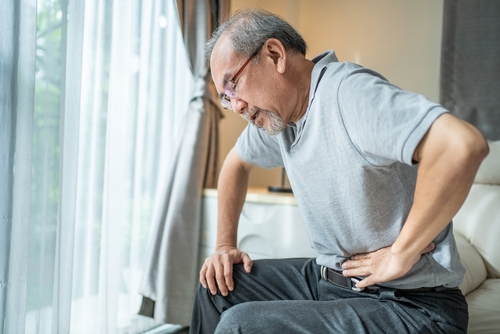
x=399 y=39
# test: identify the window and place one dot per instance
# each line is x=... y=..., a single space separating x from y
x=111 y=85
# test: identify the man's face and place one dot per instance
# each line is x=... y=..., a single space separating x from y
x=239 y=84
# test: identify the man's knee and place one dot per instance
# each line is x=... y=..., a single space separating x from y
x=242 y=318
x=201 y=293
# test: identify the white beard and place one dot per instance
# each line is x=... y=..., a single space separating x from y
x=275 y=126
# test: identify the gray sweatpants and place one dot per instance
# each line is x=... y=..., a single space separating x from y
x=289 y=296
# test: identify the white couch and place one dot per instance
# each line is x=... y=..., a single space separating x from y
x=477 y=232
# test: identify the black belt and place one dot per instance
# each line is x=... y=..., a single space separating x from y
x=337 y=278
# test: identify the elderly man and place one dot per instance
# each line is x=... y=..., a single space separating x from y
x=378 y=174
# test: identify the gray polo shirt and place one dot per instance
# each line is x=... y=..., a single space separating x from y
x=349 y=161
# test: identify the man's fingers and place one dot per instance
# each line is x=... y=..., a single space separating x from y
x=360 y=256
x=221 y=280
x=365 y=283
x=210 y=277
x=357 y=272
x=217 y=277
x=216 y=273
x=429 y=248
x=203 y=273
x=228 y=277
x=353 y=264
x=247 y=262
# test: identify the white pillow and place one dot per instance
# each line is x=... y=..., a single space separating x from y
x=470 y=258
x=478 y=220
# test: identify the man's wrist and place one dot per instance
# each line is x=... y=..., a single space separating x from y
x=225 y=246
x=404 y=251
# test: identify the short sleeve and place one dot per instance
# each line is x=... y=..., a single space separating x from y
x=381 y=119
x=256 y=147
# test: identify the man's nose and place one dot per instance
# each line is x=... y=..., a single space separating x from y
x=238 y=106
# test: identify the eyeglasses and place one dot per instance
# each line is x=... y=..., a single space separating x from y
x=230 y=87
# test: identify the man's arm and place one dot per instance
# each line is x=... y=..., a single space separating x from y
x=449 y=156
x=217 y=271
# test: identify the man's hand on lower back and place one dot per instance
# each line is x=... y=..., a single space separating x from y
x=381 y=265
x=217 y=270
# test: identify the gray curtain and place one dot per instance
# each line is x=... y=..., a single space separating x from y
x=470 y=63
x=171 y=264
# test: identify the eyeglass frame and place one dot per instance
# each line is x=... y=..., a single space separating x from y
x=228 y=93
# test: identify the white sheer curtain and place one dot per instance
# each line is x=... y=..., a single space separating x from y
x=111 y=83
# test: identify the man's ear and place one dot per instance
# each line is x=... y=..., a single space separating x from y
x=276 y=51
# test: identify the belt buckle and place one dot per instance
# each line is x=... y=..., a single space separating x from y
x=323 y=273
x=352 y=284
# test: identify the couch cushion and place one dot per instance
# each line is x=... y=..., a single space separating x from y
x=470 y=258
x=484 y=313
x=478 y=220
x=489 y=171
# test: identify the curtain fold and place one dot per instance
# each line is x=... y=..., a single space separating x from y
x=17 y=69
x=470 y=63
x=171 y=265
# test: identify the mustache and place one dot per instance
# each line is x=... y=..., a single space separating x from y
x=275 y=125
x=250 y=114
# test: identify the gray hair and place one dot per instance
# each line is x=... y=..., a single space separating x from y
x=249 y=29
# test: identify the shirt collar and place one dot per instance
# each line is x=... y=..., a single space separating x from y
x=321 y=61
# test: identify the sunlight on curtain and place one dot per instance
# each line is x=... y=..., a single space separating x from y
x=112 y=82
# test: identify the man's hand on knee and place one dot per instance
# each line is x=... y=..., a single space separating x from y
x=217 y=271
